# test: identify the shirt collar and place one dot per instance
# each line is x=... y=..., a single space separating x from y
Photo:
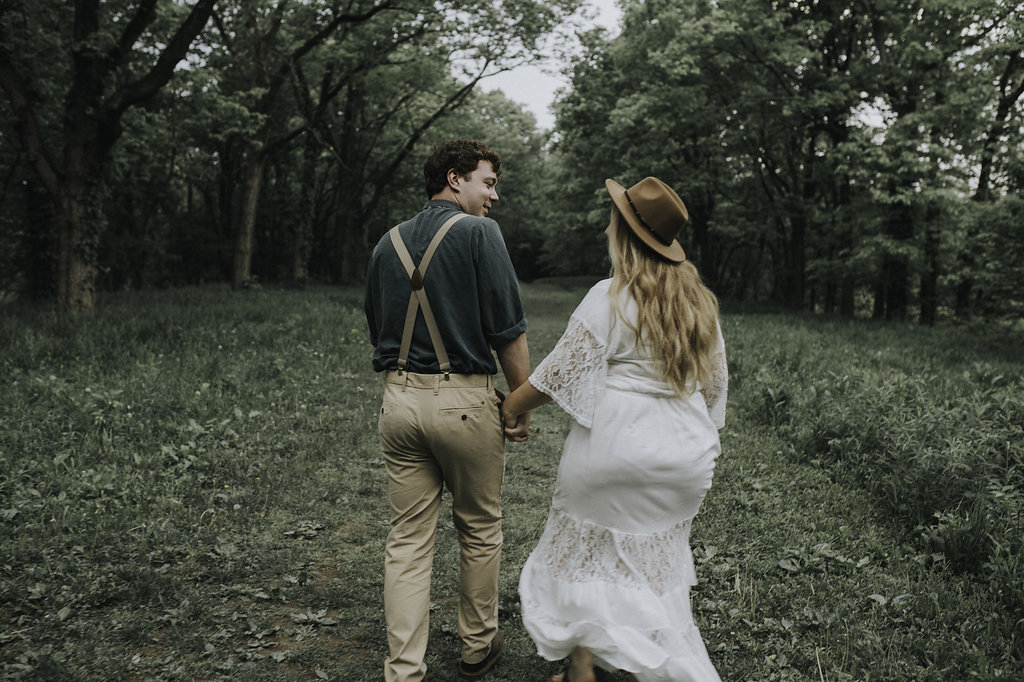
x=442 y=203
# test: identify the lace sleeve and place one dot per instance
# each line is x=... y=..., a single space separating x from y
x=573 y=373
x=716 y=388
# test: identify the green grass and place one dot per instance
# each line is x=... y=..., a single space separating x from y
x=191 y=488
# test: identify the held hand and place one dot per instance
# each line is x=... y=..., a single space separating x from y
x=517 y=427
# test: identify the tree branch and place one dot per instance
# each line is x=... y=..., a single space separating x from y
x=1009 y=98
x=268 y=37
x=158 y=76
x=27 y=122
x=241 y=64
x=142 y=18
x=328 y=29
x=453 y=101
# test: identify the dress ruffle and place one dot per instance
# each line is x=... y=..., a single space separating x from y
x=623 y=595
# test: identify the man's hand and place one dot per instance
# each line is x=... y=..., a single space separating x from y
x=517 y=427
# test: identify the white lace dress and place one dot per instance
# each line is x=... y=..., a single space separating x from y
x=613 y=568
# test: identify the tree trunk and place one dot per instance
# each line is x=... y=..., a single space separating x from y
x=299 y=271
x=306 y=215
x=39 y=247
x=897 y=285
x=76 y=268
x=896 y=265
x=930 y=275
x=844 y=196
x=706 y=256
x=831 y=292
x=252 y=183
x=962 y=304
x=878 y=312
x=847 y=298
x=353 y=234
x=798 y=261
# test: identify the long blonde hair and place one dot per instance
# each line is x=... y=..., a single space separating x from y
x=678 y=315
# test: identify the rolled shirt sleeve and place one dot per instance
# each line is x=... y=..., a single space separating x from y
x=501 y=307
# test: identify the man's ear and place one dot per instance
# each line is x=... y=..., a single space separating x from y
x=453 y=179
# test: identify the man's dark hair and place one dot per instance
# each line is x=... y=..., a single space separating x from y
x=462 y=155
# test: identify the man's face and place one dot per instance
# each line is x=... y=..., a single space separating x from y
x=476 y=191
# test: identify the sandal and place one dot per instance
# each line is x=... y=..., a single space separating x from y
x=563 y=676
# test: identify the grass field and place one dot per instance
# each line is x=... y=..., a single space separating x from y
x=191 y=488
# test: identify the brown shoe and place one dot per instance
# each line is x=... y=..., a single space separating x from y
x=471 y=671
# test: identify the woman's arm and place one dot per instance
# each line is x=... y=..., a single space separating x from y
x=516 y=410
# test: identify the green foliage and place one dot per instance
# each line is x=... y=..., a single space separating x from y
x=289 y=121
x=996 y=244
x=825 y=150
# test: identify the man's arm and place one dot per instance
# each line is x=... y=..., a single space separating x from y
x=515 y=364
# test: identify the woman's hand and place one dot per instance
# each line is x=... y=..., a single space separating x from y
x=515 y=411
x=517 y=426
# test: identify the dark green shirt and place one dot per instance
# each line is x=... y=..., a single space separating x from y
x=470 y=283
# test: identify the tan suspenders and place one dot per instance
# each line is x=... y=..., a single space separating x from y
x=418 y=297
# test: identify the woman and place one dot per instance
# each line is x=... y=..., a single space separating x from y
x=641 y=368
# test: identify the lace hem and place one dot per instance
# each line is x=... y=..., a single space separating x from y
x=573 y=372
x=581 y=551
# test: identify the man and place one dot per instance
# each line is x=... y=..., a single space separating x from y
x=441 y=293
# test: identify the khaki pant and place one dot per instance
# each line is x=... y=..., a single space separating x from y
x=438 y=432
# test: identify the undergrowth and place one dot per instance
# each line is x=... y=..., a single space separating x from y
x=191 y=488
x=930 y=422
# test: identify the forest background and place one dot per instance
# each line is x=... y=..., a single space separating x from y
x=862 y=157
x=188 y=193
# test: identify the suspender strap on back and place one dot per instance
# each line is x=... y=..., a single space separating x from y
x=418 y=297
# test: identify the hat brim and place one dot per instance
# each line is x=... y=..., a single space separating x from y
x=672 y=252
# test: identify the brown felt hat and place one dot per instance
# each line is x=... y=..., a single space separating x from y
x=654 y=212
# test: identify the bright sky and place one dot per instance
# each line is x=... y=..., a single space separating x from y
x=534 y=86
